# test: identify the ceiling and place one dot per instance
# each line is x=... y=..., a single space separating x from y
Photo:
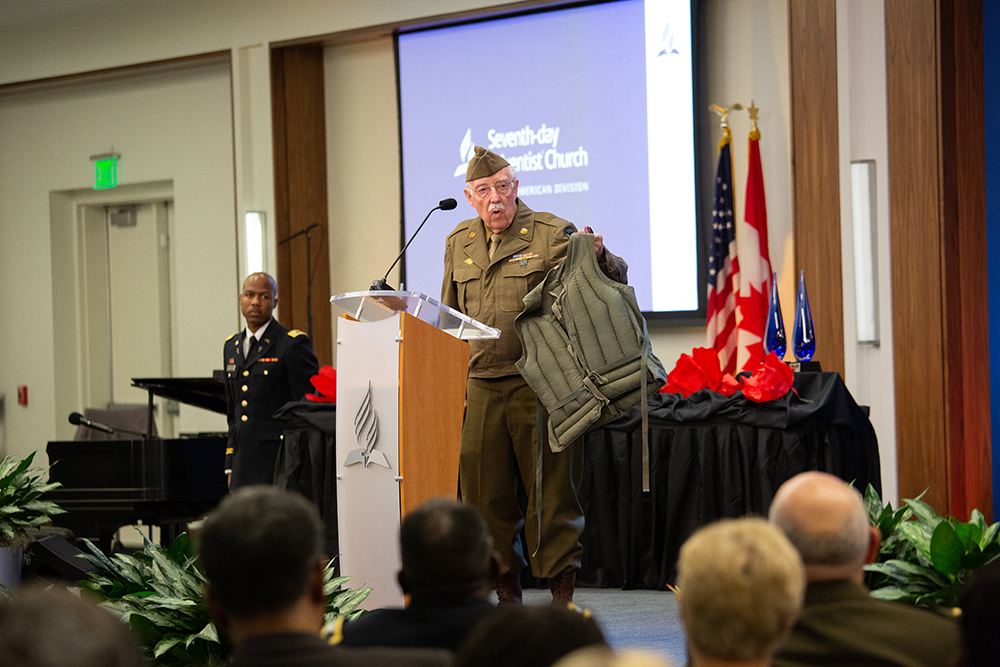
x=28 y=12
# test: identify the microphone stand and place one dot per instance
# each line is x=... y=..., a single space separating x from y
x=381 y=285
x=98 y=426
x=309 y=277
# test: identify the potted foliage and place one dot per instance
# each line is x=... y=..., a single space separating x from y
x=159 y=592
x=925 y=559
x=21 y=507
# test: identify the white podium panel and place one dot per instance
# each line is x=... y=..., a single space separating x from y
x=368 y=502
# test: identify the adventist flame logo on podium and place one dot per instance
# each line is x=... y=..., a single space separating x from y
x=366 y=433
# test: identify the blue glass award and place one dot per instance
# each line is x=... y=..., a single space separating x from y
x=803 y=337
x=774 y=332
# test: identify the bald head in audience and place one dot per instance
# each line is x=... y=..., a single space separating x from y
x=826 y=521
x=840 y=623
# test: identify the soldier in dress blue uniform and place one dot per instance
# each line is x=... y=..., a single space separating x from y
x=267 y=365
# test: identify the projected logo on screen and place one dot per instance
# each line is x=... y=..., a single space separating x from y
x=530 y=161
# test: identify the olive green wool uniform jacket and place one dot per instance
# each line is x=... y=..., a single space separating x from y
x=842 y=625
x=493 y=292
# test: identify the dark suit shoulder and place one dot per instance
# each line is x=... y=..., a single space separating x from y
x=233 y=336
x=440 y=624
x=295 y=333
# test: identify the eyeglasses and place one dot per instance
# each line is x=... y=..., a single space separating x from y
x=502 y=188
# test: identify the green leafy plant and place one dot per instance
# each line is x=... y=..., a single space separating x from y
x=21 y=503
x=159 y=592
x=925 y=559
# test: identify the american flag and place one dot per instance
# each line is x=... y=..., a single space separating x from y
x=723 y=263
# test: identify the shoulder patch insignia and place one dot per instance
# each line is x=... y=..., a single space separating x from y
x=569 y=231
x=233 y=336
x=294 y=333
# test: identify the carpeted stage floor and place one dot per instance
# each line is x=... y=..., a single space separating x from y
x=630 y=619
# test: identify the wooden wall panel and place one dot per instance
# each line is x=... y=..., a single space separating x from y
x=917 y=250
x=300 y=198
x=963 y=154
x=937 y=204
x=816 y=171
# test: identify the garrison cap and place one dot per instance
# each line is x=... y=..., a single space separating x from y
x=484 y=163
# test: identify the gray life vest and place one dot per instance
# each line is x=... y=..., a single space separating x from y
x=585 y=348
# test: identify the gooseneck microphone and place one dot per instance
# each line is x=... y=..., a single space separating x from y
x=444 y=205
x=77 y=419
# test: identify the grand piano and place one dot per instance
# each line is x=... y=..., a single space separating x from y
x=167 y=482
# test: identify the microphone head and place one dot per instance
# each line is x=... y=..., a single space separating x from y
x=447 y=204
x=75 y=418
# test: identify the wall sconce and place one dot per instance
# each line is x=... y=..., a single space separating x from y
x=863 y=202
x=254 y=231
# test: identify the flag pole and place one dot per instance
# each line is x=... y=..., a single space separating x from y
x=755 y=274
x=723 y=262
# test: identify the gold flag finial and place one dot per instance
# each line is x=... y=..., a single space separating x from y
x=723 y=113
x=753 y=110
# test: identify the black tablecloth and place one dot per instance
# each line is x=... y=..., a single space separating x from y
x=307 y=461
x=711 y=457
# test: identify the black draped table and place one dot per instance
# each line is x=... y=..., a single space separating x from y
x=307 y=461
x=710 y=457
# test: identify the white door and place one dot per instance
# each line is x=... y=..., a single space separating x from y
x=126 y=285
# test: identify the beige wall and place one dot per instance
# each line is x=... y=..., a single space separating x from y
x=864 y=136
x=98 y=34
x=214 y=144
x=362 y=151
x=173 y=126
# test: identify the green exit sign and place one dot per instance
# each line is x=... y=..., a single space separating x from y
x=106 y=173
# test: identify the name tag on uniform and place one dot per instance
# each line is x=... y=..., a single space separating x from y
x=230 y=367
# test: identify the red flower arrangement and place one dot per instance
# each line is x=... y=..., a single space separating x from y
x=701 y=370
x=772 y=379
x=326 y=384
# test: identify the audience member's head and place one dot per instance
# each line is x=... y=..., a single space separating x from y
x=528 y=637
x=261 y=552
x=980 y=620
x=603 y=656
x=826 y=521
x=741 y=586
x=54 y=628
x=446 y=549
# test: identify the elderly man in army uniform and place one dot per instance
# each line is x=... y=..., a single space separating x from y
x=491 y=262
x=267 y=365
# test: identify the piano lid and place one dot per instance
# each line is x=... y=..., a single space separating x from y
x=207 y=393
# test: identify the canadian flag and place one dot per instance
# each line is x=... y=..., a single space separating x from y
x=755 y=265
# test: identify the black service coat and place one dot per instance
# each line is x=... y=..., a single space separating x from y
x=278 y=372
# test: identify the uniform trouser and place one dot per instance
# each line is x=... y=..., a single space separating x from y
x=498 y=446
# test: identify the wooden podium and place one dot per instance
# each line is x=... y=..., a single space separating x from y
x=402 y=363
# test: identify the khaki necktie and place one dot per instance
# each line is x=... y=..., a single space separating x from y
x=494 y=244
